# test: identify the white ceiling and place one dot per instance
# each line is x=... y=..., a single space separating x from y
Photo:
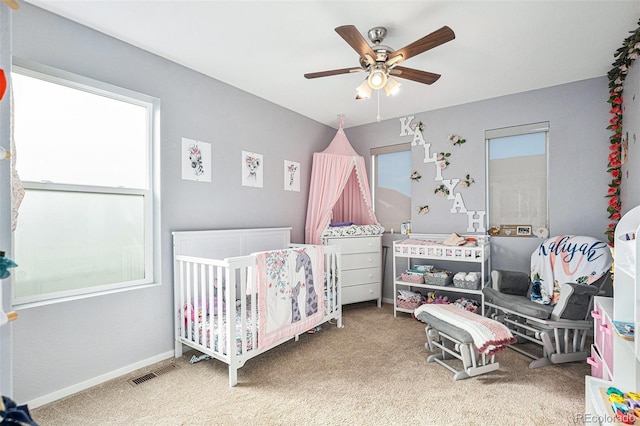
x=265 y=47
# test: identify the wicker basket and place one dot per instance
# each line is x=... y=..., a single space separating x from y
x=467 y=284
x=436 y=277
x=405 y=304
x=412 y=278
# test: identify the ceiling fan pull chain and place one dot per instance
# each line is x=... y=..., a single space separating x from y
x=378 y=116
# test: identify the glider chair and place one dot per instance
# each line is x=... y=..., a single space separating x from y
x=552 y=306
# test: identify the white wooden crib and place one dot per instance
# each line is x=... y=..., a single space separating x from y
x=215 y=272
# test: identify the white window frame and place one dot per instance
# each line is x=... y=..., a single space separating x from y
x=541 y=127
x=150 y=193
x=375 y=152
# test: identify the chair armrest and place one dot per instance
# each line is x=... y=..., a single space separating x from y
x=510 y=282
x=575 y=301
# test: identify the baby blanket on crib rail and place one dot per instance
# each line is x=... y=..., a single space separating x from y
x=489 y=336
x=290 y=285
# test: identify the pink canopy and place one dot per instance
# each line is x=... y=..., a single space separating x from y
x=339 y=189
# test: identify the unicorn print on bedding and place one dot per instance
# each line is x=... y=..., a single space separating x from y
x=286 y=281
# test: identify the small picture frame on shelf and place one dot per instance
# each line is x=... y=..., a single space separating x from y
x=515 y=231
x=523 y=230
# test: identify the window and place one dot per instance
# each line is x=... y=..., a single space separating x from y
x=84 y=154
x=517 y=175
x=391 y=188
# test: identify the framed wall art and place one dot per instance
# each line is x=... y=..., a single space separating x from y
x=252 y=169
x=196 y=160
x=291 y=176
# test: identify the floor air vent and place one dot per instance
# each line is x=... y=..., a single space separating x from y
x=152 y=375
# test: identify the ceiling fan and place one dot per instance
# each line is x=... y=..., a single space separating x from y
x=381 y=62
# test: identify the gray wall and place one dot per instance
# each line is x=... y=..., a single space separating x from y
x=578 y=148
x=65 y=345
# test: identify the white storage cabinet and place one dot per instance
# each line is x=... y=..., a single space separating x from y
x=361 y=267
x=404 y=254
x=614 y=360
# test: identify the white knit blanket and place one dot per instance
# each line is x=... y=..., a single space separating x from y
x=489 y=336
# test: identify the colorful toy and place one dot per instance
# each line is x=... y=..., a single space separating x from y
x=613 y=390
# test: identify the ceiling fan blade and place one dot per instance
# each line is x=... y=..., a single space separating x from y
x=427 y=42
x=352 y=36
x=415 y=75
x=13 y=4
x=331 y=72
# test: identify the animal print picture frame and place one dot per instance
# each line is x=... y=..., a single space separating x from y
x=252 y=169
x=291 y=176
x=196 y=160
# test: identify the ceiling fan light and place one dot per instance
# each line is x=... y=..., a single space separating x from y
x=392 y=86
x=377 y=79
x=363 y=91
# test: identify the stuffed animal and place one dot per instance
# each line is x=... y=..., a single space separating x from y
x=190 y=312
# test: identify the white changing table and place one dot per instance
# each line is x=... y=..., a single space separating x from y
x=478 y=255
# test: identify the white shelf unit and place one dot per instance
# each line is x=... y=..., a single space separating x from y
x=616 y=361
x=479 y=256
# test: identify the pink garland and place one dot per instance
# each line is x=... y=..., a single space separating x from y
x=625 y=55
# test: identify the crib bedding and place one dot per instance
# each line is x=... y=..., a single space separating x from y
x=204 y=328
x=197 y=326
x=290 y=284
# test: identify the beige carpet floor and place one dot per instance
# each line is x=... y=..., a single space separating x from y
x=371 y=372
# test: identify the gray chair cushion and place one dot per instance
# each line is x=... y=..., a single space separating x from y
x=575 y=301
x=511 y=282
x=519 y=304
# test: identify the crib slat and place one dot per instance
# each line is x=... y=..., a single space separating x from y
x=243 y=310
x=188 y=296
x=221 y=293
x=253 y=314
x=202 y=312
x=181 y=312
x=195 y=301
x=230 y=283
x=211 y=307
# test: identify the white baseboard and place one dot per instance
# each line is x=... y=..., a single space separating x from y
x=38 y=402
